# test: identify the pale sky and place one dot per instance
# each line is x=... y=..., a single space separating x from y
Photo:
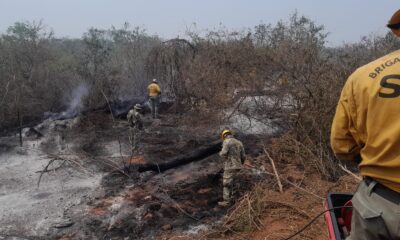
x=345 y=20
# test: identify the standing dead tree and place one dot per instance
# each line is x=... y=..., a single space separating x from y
x=167 y=62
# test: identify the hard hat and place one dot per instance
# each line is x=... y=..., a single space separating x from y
x=138 y=106
x=224 y=133
x=394 y=23
x=155 y=80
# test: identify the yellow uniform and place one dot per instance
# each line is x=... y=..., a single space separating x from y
x=154 y=90
x=154 y=95
x=367 y=120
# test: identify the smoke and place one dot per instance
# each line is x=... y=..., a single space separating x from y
x=74 y=103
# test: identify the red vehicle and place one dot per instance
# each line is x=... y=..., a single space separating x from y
x=339 y=218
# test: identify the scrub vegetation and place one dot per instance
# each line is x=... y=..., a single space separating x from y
x=202 y=73
x=288 y=71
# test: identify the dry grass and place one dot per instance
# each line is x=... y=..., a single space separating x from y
x=246 y=214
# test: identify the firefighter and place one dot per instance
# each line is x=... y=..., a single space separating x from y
x=233 y=156
x=135 y=120
x=154 y=91
x=366 y=130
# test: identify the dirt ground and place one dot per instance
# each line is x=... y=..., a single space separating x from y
x=85 y=195
x=294 y=208
x=286 y=212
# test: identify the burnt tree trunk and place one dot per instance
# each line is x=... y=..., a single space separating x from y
x=193 y=156
x=20 y=127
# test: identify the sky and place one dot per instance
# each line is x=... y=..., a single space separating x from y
x=345 y=20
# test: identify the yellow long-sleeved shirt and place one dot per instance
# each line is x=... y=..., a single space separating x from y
x=154 y=89
x=367 y=120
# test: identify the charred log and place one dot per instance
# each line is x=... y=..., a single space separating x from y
x=193 y=156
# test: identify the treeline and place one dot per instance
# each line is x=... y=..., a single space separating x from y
x=290 y=62
x=38 y=72
x=202 y=73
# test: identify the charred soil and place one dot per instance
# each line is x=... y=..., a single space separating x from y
x=178 y=203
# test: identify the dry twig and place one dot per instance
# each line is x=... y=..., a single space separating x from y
x=274 y=168
x=303 y=189
x=358 y=178
x=119 y=140
x=56 y=158
x=287 y=205
x=45 y=170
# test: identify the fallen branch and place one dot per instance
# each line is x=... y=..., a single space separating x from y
x=289 y=182
x=250 y=210
x=287 y=205
x=296 y=186
x=228 y=117
x=56 y=158
x=164 y=196
x=45 y=170
x=53 y=169
x=274 y=168
x=123 y=171
x=196 y=155
x=358 y=178
x=303 y=189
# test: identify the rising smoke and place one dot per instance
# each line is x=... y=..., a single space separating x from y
x=74 y=103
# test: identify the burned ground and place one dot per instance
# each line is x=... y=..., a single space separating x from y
x=138 y=206
x=100 y=194
x=75 y=177
x=121 y=204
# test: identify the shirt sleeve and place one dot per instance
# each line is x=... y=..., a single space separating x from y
x=224 y=150
x=129 y=116
x=343 y=131
x=242 y=154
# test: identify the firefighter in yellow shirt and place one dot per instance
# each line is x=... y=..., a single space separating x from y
x=154 y=91
x=366 y=129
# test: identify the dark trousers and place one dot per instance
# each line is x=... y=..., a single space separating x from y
x=154 y=102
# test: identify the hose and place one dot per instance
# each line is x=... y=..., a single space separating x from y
x=313 y=220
